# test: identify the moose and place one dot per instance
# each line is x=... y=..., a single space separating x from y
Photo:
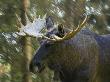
x=79 y=55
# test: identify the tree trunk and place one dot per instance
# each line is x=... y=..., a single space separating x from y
x=26 y=42
x=27 y=52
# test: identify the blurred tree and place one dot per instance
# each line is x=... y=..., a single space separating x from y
x=10 y=54
x=7 y=15
x=99 y=11
x=26 y=43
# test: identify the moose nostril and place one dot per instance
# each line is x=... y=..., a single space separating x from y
x=35 y=69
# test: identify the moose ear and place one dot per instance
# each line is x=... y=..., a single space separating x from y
x=49 y=23
x=61 y=31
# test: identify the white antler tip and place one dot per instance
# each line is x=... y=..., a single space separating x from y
x=44 y=16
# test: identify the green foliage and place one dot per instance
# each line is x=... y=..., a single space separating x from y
x=7 y=15
x=68 y=12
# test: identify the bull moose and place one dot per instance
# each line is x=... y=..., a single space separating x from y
x=76 y=56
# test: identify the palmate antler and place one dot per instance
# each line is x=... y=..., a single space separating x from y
x=70 y=34
x=32 y=29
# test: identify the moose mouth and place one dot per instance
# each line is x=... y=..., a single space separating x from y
x=36 y=68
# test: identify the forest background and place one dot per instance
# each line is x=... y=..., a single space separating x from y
x=15 y=54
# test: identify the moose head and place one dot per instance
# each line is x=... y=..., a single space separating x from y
x=49 y=44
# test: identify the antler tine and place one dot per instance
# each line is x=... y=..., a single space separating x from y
x=74 y=32
x=19 y=20
x=33 y=18
x=44 y=16
x=27 y=19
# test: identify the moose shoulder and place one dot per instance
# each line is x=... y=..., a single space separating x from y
x=82 y=58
